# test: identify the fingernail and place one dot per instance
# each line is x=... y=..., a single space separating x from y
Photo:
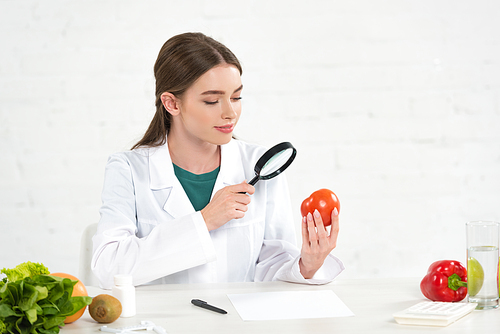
x=335 y=212
x=309 y=217
x=304 y=219
x=316 y=213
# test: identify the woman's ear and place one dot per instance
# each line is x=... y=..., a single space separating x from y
x=171 y=103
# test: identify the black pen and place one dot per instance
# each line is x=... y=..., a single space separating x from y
x=204 y=304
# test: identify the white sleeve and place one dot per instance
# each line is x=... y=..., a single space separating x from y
x=330 y=269
x=279 y=261
x=279 y=256
x=170 y=247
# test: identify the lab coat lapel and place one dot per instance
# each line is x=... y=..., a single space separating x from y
x=164 y=184
x=231 y=169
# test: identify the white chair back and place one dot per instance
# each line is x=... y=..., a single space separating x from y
x=84 y=272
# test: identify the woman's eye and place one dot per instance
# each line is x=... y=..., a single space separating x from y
x=236 y=99
x=211 y=102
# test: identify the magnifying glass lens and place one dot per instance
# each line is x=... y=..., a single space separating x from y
x=276 y=162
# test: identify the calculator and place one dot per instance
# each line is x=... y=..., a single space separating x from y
x=434 y=313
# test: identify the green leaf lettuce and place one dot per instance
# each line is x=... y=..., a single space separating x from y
x=26 y=269
x=32 y=302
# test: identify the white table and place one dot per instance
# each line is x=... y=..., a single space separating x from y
x=372 y=301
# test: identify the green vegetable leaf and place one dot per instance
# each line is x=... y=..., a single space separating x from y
x=48 y=307
x=53 y=330
x=64 y=305
x=31 y=315
x=22 y=327
x=7 y=311
x=54 y=321
x=9 y=293
x=23 y=270
x=33 y=302
x=43 y=292
x=56 y=292
x=79 y=302
x=29 y=296
x=3 y=328
x=46 y=280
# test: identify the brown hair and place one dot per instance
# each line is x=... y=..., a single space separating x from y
x=181 y=61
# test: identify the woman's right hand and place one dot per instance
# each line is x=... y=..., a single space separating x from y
x=228 y=203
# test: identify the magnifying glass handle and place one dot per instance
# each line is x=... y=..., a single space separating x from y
x=254 y=180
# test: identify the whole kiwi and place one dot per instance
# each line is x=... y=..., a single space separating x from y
x=105 y=308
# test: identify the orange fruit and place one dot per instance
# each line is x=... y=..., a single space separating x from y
x=78 y=290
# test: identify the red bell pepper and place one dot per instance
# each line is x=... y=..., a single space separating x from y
x=446 y=281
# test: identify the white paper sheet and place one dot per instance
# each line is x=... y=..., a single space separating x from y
x=289 y=305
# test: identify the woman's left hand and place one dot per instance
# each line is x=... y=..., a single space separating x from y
x=317 y=243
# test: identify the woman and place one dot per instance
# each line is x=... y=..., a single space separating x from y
x=176 y=208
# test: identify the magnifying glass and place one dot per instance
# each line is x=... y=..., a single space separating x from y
x=274 y=162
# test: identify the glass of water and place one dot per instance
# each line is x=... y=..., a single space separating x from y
x=482 y=263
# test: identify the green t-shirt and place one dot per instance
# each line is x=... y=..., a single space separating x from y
x=198 y=187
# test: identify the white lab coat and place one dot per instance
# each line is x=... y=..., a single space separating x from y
x=150 y=230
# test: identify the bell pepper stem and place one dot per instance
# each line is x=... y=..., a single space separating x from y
x=455 y=282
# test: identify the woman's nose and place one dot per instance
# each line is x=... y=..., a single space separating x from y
x=228 y=111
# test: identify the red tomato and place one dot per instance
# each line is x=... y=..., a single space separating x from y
x=323 y=200
x=78 y=290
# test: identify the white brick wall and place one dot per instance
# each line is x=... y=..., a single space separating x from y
x=394 y=105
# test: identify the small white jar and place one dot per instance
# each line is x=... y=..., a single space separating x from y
x=124 y=291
